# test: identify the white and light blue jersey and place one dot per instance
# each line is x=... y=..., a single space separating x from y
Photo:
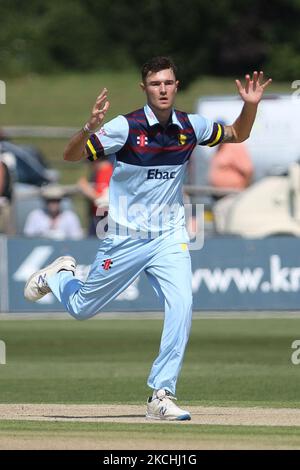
x=146 y=186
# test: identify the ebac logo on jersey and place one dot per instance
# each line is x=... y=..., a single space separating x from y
x=155 y=174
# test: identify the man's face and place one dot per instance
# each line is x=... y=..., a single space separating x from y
x=53 y=207
x=160 y=88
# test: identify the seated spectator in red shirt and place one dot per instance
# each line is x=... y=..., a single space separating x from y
x=97 y=191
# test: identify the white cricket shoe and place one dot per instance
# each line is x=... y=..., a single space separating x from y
x=162 y=407
x=36 y=286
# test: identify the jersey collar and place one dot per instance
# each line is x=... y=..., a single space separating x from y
x=152 y=119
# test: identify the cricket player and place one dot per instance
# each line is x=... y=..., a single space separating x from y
x=146 y=227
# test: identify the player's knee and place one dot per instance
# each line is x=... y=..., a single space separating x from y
x=80 y=317
x=82 y=313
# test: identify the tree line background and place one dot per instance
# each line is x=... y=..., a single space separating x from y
x=220 y=37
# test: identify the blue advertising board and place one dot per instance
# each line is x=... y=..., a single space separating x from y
x=240 y=274
x=228 y=274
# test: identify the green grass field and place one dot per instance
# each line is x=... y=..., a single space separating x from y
x=231 y=362
x=164 y=436
x=228 y=361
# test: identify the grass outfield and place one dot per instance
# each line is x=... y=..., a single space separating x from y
x=228 y=361
x=65 y=99
x=33 y=435
x=231 y=362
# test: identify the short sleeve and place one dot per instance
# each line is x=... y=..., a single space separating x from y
x=207 y=132
x=109 y=139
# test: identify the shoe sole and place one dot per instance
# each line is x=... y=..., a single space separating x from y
x=185 y=417
x=52 y=265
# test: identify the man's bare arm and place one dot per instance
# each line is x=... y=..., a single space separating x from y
x=251 y=94
x=75 y=149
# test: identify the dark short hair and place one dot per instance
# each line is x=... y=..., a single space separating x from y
x=156 y=64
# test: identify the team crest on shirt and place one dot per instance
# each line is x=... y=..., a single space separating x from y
x=107 y=264
x=182 y=139
x=142 y=140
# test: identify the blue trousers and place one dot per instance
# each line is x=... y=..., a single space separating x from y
x=118 y=262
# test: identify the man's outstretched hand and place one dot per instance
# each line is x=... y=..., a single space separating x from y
x=99 y=110
x=254 y=88
x=76 y=148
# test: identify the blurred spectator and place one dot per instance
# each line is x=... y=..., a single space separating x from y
x=53 y=221
x=26 y=163
x=97 y=191
x=6 y=189
x=3 y=136
x=231 y=167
